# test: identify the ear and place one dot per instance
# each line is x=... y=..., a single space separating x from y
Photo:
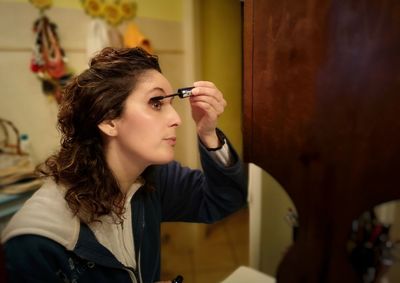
x=108 y=127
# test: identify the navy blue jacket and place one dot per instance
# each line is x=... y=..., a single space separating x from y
x=181 y=194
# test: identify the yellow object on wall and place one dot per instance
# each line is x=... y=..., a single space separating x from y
x=114 y=12
x=167 y=10
x=42 y=4
x=134 y=38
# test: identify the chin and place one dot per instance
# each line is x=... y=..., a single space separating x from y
x=164 y=159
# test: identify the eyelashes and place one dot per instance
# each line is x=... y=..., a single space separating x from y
x=156 y=103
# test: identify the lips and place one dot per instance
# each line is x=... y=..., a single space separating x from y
x=171 y=140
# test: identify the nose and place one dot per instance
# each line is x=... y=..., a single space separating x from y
x=174 y=119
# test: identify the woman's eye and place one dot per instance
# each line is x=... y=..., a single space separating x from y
x=156 y=104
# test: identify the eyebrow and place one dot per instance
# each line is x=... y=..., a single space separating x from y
x=157 y=89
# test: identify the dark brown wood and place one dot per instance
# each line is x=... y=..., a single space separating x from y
x=321 y=106
x=248 y=76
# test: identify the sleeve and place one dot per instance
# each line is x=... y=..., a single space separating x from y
x=202 y=196
x=222 y=155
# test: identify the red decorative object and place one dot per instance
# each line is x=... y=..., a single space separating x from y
x=48 y=58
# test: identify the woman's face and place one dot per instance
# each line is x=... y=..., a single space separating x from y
x=146 y=130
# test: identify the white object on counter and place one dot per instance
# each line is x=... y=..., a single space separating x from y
x=247 y=274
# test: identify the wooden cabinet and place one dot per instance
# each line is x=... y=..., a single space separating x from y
x=321 y=115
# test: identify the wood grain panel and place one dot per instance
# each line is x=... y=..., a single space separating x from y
x=322 y=95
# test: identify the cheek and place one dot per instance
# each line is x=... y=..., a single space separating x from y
x=140 y=128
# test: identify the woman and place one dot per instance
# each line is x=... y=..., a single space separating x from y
x=97 y=217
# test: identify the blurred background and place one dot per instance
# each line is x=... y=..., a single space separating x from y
x=195 y=40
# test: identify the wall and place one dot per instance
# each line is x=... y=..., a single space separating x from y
x=221 y=50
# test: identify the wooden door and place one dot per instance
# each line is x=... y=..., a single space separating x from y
x=321 y=115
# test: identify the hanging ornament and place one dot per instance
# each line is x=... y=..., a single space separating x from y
x=48 y=60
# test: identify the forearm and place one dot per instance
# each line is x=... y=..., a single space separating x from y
x=210 y=140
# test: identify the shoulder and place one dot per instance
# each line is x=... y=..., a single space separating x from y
x=32 y=250
x=31 y=245
x=45 y=214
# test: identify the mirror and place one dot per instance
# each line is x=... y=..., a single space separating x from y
x=374 y=244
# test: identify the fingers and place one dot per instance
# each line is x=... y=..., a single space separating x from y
x=208 y=97
x=206 y=108
x=208 y=104
x=207 y=88
x=203 y=83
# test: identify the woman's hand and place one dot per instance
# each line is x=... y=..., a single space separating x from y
x=207 y=103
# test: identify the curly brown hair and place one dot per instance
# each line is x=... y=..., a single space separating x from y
x=96 y=95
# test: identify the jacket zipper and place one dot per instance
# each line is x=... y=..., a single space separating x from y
x=138 y=271
x=141 y=241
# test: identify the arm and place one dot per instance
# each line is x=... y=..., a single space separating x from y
x=191 y=195
x=208 y=196
x=207 y=104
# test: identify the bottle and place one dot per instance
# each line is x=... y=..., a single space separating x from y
x=25 y=145
x=178 y=279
